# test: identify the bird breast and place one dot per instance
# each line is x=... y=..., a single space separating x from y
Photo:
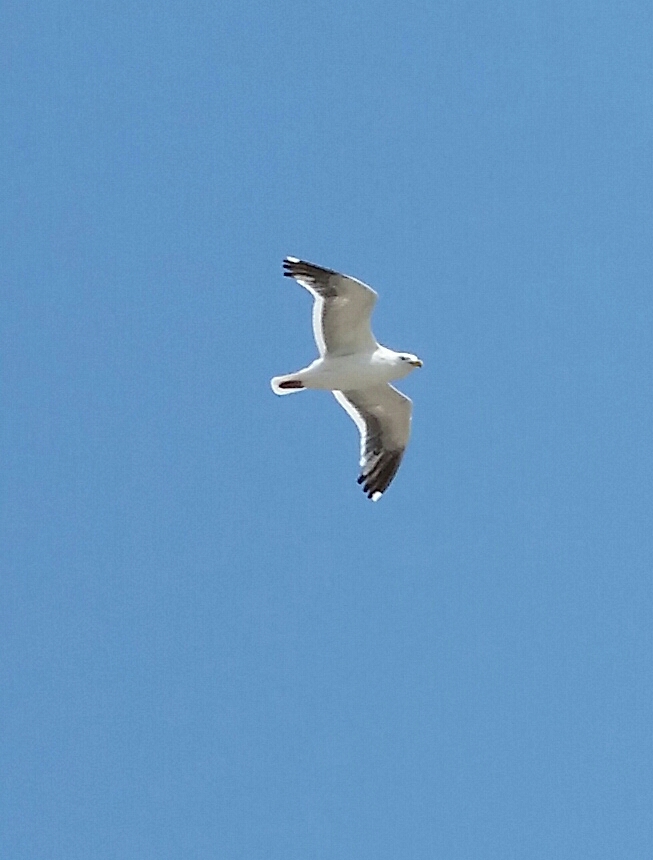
x=351 y=372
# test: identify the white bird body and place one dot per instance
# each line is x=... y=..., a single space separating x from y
x=356 y=369
x=343 y=373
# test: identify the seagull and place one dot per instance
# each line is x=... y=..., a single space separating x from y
x=356 y=368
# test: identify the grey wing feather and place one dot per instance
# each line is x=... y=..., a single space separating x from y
x=342 y=309
x=383 y=416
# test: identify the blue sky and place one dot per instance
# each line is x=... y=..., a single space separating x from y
x=213 y=645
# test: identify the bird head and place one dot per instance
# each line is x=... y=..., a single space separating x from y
x=410 y=359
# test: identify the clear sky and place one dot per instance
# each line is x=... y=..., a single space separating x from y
x=213 y=645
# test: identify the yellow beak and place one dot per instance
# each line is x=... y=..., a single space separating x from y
x=417 y=363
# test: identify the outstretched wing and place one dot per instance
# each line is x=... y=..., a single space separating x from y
x=382 y=415
x=342 y=309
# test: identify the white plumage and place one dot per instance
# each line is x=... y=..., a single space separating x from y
x=356 y=369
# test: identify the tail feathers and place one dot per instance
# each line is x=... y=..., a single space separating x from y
x=288 y=384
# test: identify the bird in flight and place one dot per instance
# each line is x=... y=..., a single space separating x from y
x=356 y=368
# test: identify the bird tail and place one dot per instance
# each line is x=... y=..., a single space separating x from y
x=286 y=384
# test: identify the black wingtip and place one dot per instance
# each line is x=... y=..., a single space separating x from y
x=381 y=475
